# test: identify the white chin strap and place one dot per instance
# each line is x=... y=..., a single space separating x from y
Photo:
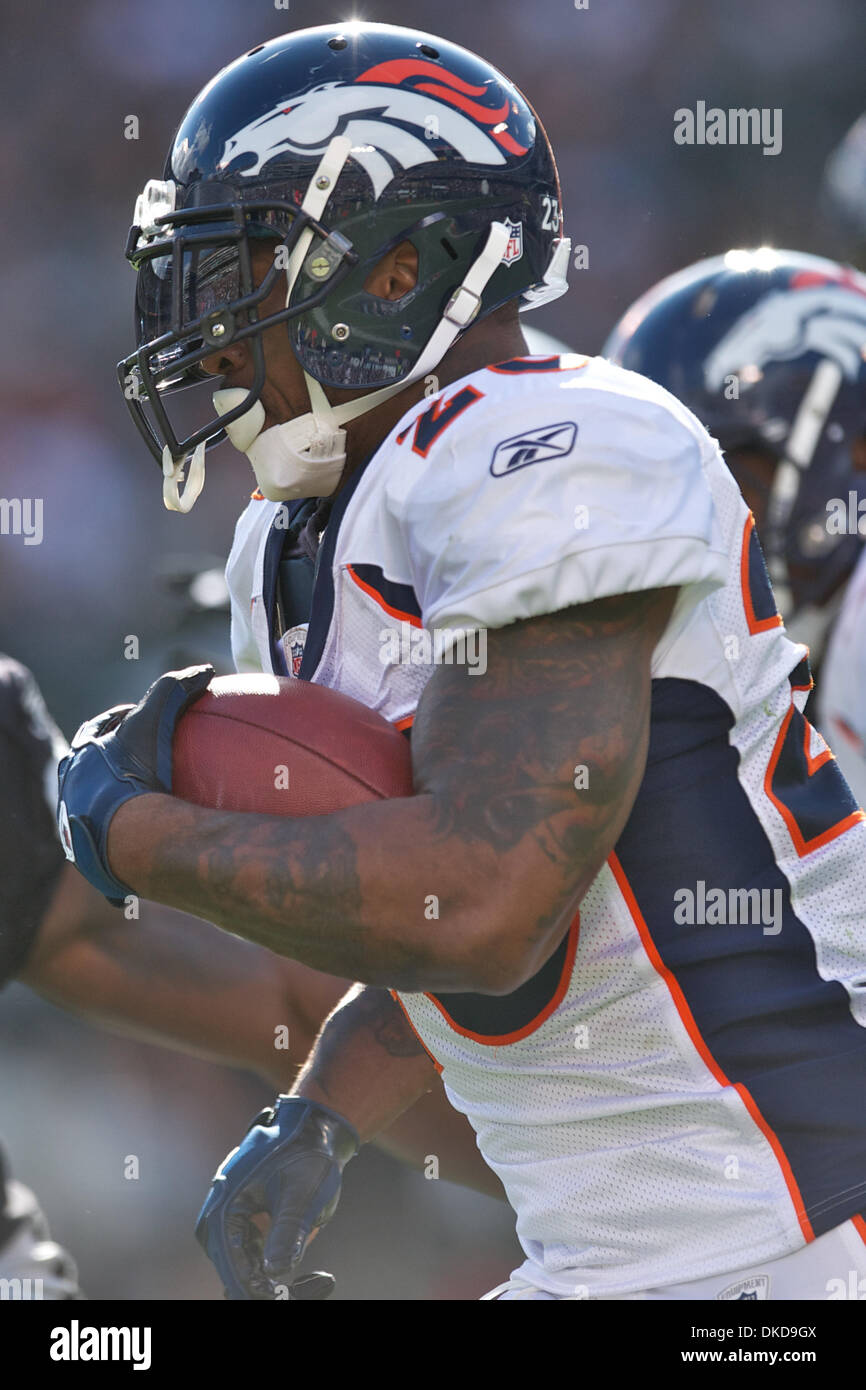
x=172 y=477
x=306 y=456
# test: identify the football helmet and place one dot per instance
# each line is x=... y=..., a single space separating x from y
x=768 y=349
x=337 y=143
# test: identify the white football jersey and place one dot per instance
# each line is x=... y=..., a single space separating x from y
x=841 y=691
x=679 y=1091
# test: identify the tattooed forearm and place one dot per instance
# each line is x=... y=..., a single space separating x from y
x=367 y=1063
x=374 y=1012
x=559 y=696
x=524 y=779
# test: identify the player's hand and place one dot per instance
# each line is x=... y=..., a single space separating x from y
x=288 y=1167
x=122 y=753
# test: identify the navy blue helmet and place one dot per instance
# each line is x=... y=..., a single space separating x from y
x=768 y=349
x=337 y=143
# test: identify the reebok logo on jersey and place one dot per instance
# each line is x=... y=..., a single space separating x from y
x=546 y=442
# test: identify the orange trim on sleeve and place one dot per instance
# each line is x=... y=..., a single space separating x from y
x=859 y=1225
x=393 y=612
x=502 y=370
x=397 y=1000
x=405 y=723
x=703 y=1051
x=503 y=1039
x=801 y=845
x=257 y=496
x=754 y=624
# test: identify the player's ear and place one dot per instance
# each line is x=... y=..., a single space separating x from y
x=396 y=274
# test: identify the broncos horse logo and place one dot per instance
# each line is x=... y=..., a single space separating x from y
x=813 y=314
x=376 y=112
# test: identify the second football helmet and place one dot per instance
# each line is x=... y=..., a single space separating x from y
x=768 y=349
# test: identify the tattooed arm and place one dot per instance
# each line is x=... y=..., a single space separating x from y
x=367 y=1063
x=500 y=830
x=369 y=1066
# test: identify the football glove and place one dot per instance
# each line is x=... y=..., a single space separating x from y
x=289 y=1166
x=122 y=753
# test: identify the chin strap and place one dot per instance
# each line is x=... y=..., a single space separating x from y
x=306 y=456
x=806 y=430
x=172 y=477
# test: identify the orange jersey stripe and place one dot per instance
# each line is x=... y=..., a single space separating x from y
x=397 y=1000
x=754 y=624
x=706 y=1056
x=503 y=1039
x=387 y=608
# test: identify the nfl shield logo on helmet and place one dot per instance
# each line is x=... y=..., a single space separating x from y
x=514 y=249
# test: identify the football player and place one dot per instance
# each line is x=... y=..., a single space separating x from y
x=767 y=348
x=175 y=982
x=840 y=695
x=622 y=914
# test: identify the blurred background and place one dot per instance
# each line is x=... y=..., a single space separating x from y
x=606 y=80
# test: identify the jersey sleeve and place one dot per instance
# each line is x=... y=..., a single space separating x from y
x=842 y=682
x=31 y=857
x=583 y=495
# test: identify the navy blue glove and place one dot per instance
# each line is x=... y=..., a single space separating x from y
x=122 y=753
x=290 y=1166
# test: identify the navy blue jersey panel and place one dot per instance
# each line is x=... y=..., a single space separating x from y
x=270 y=579
x=762 y=596
x=322 y=610
x=495 y=1016
x=768 y=1018
x=402 y=597
x=519 y=366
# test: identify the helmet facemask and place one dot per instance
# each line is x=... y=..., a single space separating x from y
x=196 y=294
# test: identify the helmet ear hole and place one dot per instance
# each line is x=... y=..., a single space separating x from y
x=395 y=275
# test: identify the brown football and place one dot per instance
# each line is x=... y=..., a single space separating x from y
x=285 y=747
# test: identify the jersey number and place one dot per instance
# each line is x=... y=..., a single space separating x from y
x=441 y=414
x=809 y=792
x=550 y=220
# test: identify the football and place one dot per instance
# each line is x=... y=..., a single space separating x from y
x=280 y=746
